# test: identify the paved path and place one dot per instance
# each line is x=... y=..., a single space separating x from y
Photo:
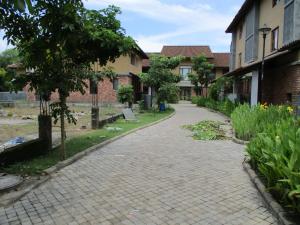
x=158 y=175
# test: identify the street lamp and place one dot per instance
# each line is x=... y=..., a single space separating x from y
x=265 y=30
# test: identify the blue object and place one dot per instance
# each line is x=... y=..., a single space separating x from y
x=15 y=141
x=162 y=107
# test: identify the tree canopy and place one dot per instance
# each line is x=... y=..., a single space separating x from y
x=60 y=39
x=202 y=71
x=7 y=57
x=161 y=75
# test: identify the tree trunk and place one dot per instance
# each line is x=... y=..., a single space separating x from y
x=62 y=127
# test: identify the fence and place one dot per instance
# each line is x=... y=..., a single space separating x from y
x=11 y=97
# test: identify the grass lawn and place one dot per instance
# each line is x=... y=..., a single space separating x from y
x=82 y=142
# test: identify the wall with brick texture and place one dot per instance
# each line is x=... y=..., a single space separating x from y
x=106 y=94
x=278 y=82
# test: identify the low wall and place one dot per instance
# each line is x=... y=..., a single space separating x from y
x=22 y=152
x=109 y=120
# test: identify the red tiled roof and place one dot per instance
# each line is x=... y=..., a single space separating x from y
x=221 y=59
x=187 y=51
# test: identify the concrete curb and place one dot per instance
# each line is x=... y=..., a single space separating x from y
x=276 y=209
x=236 y=140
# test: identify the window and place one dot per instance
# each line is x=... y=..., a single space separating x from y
x=250 y=35
x=115 y=84
x=274 y=40
x=184 y=71
x=133 y=59
x=240 y=59
x=289 y=21
x=275 y=2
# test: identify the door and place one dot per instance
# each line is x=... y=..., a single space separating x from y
x=185 y=93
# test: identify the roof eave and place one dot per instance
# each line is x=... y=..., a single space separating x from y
x=242 y=11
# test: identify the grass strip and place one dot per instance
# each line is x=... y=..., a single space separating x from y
x=78 y=144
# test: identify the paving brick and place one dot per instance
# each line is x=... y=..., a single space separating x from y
x=158 y=175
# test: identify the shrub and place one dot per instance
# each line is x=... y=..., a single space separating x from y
x=125 y=94
x=168 y=92
x=225 y=106
x=194 y=99
x=248 y=121
x=275 y=153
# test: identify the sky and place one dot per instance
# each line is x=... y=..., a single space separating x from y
x=154 y=23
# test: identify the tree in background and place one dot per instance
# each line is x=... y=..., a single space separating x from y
x=125 y=94
x=195 y=81
x=168 y=93
x=7 y=57
x=60 y=39
x=160 y=75
x=202 y=72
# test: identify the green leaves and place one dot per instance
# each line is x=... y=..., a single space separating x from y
x=161 y=77
x=207 y=130
x=203 y=69
x=275 y=152
x=125 y=94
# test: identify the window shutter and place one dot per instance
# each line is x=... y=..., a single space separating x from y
x=249 y=42
x=288 y=29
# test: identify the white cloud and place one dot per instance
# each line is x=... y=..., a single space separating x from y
x=201 y=15
x=195 y=19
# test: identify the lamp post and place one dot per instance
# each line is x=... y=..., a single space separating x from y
x=265 y=30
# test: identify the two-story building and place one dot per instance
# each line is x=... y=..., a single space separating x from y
x=279 y=80
x=220 y=61
x=127 y=67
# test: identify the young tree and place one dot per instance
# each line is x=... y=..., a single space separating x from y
x=60 y=39
x=125 y=94
x=161 y=74
x=202 y=71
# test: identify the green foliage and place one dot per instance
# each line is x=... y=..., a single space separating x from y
x=225 y=106
x=125 y=94
x=194 y=99
x=220 y=84
x=275 y=153
x=168 y=92
x=141 y=104
x=18 y=5
x=82 y=142
x=60 y=39
x=7 y=57
x=202 y=71
x=207 y=130
x=160 y=75
x=249 y=121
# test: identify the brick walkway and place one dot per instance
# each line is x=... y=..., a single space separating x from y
x=158 y=175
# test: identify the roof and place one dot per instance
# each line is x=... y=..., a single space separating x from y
x=246 y=69
x=146 y=62
x=141 y=52
x=187 y=51
x=240 y=15
x=221 y=59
